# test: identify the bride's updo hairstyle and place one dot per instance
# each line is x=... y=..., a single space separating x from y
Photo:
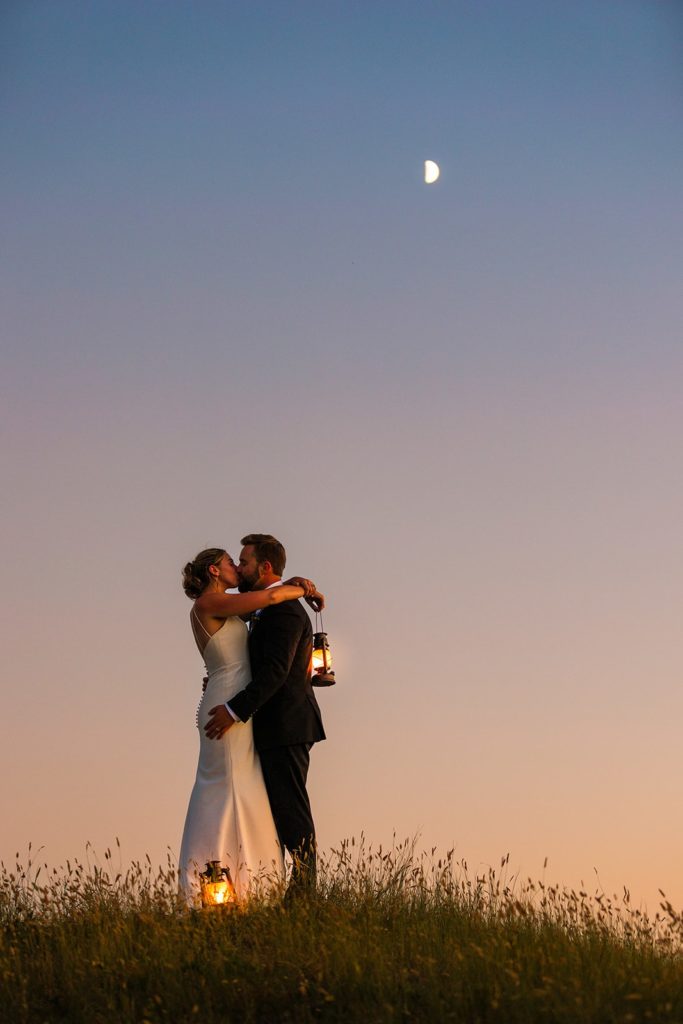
x=196 y=574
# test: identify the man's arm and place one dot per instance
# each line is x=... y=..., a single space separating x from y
x=279 y=639
x=280 y=635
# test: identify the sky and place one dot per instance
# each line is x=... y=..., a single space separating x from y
x=231 y=304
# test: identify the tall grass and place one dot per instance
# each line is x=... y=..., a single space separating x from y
x=392 y=935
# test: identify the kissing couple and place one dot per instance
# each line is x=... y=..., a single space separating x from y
x=258 y=719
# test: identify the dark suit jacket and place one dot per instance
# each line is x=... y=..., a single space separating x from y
x=280 y=695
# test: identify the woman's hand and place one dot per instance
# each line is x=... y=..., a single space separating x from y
x=314 y=599
x=308 y=586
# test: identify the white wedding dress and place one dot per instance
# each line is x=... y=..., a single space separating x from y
x=229 y=817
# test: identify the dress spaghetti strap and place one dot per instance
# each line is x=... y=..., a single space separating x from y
x=201 y=624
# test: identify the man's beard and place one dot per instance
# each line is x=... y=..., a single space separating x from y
x=246 y=584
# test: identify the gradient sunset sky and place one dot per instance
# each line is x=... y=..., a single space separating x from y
x=230 y=303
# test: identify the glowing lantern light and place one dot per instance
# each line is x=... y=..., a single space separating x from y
x=322 y=658
x=217 y=887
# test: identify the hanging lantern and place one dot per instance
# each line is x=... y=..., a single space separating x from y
x=322 y=658
x=217 y=887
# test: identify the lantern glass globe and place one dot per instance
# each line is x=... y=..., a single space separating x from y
x=216 y=885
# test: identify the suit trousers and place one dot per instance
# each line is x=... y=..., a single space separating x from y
x=285 y=770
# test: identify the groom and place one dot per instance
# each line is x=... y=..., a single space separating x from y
x=288 y=722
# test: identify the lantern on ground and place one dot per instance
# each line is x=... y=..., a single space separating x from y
x=217 y=887
x=322 y=674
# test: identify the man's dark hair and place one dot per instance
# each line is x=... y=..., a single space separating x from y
x=267 y=549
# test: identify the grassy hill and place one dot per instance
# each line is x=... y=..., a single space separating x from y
x=390 y=937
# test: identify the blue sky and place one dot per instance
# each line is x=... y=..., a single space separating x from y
x=231 y=303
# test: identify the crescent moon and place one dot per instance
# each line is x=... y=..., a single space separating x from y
x=432 y=172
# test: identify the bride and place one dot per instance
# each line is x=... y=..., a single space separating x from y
x=229 y=817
